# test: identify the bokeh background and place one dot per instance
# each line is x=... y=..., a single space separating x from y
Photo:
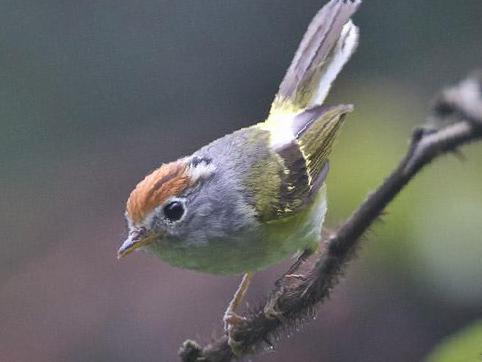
x=94 y=94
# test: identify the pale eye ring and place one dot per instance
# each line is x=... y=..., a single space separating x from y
x=174 y=210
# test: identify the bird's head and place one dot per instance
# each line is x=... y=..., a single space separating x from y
x=159 y=206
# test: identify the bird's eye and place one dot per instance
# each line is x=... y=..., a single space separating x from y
x=174 y=210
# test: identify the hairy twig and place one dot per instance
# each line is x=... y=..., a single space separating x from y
x=456 y=120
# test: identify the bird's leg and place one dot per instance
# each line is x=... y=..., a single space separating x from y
x=230 y=317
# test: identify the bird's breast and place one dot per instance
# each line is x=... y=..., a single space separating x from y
x=250 y=250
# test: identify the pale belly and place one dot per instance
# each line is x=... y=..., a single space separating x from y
x=254 y=250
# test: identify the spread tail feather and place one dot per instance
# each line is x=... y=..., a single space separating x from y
x=330 y=40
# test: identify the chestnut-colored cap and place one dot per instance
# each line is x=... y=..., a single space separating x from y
x=168 y=180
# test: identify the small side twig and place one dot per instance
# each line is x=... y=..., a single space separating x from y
x=457 y=120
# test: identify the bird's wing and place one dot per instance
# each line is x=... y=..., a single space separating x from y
x=330 y=40
x=304 y=158
x=301 y=130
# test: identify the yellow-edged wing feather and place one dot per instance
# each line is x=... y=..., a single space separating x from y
x=302 y=130
x=304 y=157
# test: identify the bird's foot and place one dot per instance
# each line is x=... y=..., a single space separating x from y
x=300 y=277
x=287 y=278
x=232 y=320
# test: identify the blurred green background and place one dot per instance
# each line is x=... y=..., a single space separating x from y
x=93 y=94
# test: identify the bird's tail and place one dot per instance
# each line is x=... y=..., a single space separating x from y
x=330 y=40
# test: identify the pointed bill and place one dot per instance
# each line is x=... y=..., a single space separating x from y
x=137 y=239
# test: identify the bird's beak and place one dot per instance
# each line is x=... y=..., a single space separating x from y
x=137 y=238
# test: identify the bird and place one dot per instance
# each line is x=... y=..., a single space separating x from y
x=257 y=196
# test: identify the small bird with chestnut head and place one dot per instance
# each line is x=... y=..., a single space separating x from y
x=257 y=196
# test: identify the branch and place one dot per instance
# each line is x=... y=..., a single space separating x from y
x=456 y=120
